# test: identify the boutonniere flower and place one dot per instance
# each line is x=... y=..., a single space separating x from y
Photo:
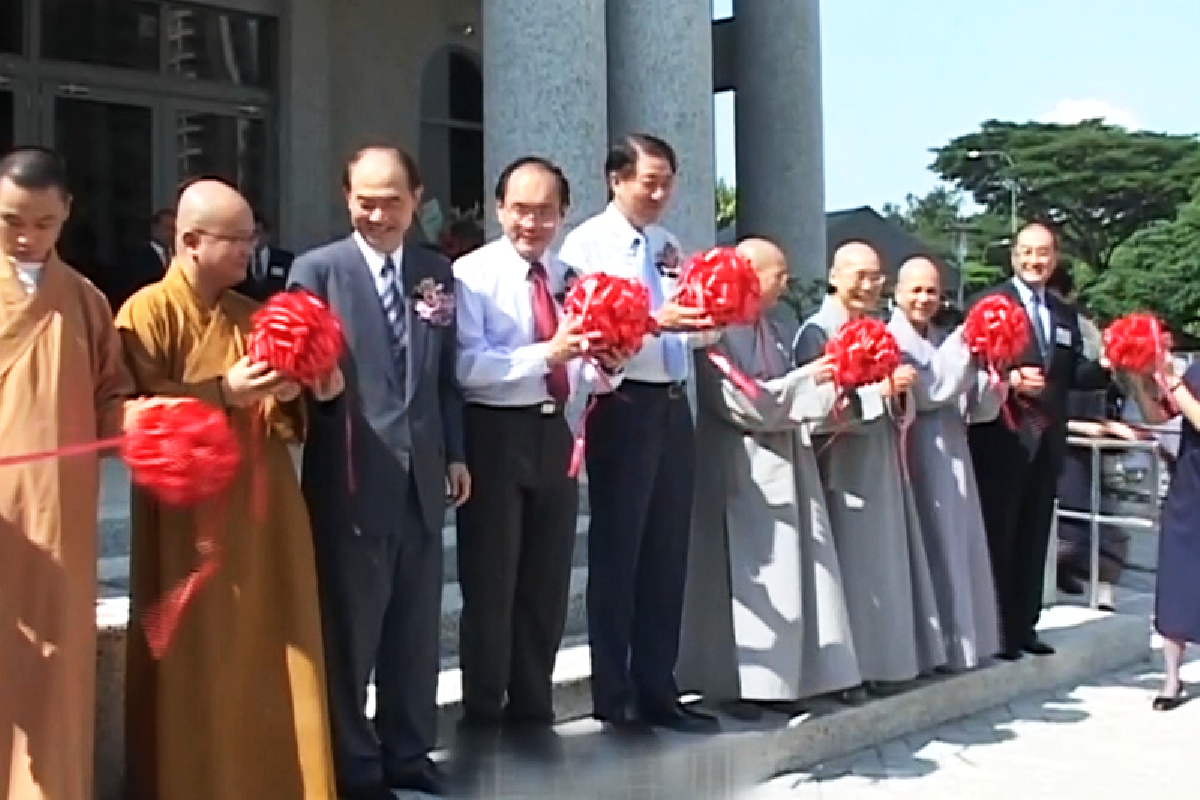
x=669 y=261
x=433 y=303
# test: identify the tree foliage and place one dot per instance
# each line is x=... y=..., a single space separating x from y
x=726 y=205
x=1099 y=183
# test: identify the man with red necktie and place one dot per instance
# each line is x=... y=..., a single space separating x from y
x=518 y=360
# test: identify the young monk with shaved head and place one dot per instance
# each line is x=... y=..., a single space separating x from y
x=236 y=708
x=764 y=616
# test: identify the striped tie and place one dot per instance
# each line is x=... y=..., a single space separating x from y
x=393 y=309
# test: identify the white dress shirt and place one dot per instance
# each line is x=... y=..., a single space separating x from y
x=1026 y=293
x=29 y=274
x=500 y=361
x=375 y=260
x=608 y=243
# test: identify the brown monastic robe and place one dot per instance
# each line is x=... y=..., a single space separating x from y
x=62 y=382
x=236 y=708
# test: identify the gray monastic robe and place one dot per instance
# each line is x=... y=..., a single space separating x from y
x=876 y=528
x=764 y=616
x=950 y=391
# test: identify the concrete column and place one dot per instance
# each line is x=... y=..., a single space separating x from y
x=660 y=82
x=544 y=93
x=308 y=176
x=780 y=150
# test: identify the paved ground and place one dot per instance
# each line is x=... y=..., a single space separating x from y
x=1099 y=741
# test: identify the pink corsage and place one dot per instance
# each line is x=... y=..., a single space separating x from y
x=433 y=303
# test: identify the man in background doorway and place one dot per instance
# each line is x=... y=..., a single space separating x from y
x=269 y=266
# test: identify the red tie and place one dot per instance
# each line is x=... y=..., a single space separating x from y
x=545 y=325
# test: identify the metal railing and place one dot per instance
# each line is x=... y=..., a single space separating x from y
x=1096 y=517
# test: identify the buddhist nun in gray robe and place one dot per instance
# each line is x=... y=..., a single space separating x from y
x=876 y=528
x=950 y=391
x=764 y=617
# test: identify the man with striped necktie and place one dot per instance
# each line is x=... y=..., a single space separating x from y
x=380 y=464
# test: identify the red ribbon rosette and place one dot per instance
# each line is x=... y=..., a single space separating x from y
x=613 y=312
x=864 y=352
x=614 y=315
x=723 y=284
x=1135 y=343
x=996 y=331
x=183 y=452
x=296 y=334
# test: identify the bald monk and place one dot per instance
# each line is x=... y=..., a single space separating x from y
x=889 y=591
x=950 y=390
x=62 y=382
x=236 y=708
x=764 y=617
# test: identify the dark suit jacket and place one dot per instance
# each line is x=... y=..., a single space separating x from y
x=394 y=429
x=1067 y=369
x=279 y=264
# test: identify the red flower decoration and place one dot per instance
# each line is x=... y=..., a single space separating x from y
x=864 y=352
x=614 y=312
x=1135 y=343
x=722 y=283
x=181 y=449
x=996 y=331
x=296 y=334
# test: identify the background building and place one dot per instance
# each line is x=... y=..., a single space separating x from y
x=274 y=94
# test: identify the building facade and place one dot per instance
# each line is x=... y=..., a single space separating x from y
x=274 y=94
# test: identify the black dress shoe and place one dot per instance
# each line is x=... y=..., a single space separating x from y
x=1010 y=654
x=374 y=791
x=624 y=724
x=1169 y=703
x=1037 y=647
x=536 y=742
x=681 y=719
x=426 y=777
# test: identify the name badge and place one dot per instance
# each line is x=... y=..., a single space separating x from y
x=276 y=272
x=1062 y=336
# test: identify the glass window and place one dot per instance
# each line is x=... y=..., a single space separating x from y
x=12 y=26
x=213 y=45
x=109 y=33
x=229 y=146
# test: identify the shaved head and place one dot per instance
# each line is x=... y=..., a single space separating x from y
x=856 y=276
x=918 y=270
x=770 y=263
x=919 y=291
x=215 y=234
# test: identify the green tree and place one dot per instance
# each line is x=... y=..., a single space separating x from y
x=1099 y=183
x=1157 y=270
x=726 y=204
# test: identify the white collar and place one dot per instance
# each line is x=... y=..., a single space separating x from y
x=374 y=258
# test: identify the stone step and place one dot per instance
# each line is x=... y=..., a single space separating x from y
x=1089 y=643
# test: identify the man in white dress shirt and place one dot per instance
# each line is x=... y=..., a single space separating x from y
x=516 y=533
x=640 y=458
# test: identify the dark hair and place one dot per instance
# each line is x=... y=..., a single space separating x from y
x=163 y=213
x=1061 y=281
x=188 y=183
x=36 y=168
x=545 y=164
x=407 y=161
x=623 y=156
x=1048 y=227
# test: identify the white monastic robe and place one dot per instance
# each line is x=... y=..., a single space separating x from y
x=876 y=529
x=950 y=391
x=764 y=617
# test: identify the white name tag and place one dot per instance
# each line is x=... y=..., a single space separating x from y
x=1062 y=336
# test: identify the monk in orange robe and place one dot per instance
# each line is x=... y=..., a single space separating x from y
x=62 y=383
x=236 y=708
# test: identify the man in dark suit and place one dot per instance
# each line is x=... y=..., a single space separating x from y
x=1017 y=470
x=380 y=464
x=148 y=263
x=269 y=266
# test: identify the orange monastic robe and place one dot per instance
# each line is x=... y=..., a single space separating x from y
x=236 y=709
x=62 y=382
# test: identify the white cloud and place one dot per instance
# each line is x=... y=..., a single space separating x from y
x=1069 y=112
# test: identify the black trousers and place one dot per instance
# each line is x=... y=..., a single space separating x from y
x=1016 y=493
x=516 y=537
x=641 y=470
x=381 y=600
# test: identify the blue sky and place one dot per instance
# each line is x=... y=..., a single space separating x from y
x=901 y=76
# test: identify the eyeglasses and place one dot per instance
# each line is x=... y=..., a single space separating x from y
x=232 y=238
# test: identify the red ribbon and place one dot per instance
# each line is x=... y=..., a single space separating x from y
x=722 y=283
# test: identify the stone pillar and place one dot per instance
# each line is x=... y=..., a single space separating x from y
x=544 y=93
x=780 y=150
x=660 y=82
x=309 y=178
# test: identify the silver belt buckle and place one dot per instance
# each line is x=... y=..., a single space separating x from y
x=548 y=408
